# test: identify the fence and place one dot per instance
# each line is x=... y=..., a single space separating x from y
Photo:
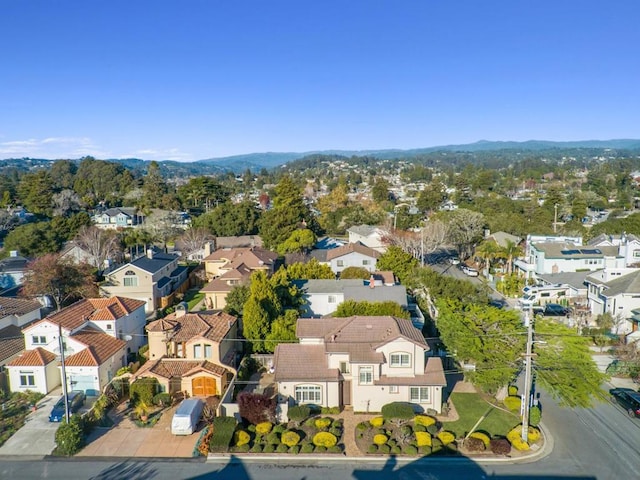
x=263 y=359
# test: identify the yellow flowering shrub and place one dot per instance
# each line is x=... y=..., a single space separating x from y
x=380 y=439
x=241 y=438
x=290 y=438
x=324 y=439
x=376 y=422
x=263 y=428
x=446 y=437
x=481 y=436
x=423 y=439
x=512 y=403
x=424 y=420
x=518 y=444
x=533 y=434
x=322 y=423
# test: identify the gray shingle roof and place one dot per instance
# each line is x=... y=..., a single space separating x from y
x=152 y=265
x=629 y=284
x=573 y=279
x=364 y=230
x=389 y=293
x=327 y=286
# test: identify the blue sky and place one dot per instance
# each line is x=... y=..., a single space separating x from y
x=188 y=80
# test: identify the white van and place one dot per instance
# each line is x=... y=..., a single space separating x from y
x=185 y=420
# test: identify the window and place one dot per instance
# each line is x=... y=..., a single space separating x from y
x=366 y=375
x=27 y=379
x=344 y=367
x=130 y=279
x=393 y=389
x=636 y=254
x=419 y=394
x=340 y=263
x=38 y=340
x=308 y=394
x=109 y=326
x=197 y=351
x=332 y=299
x=208 y=351
x=400 y=360
x=365 y=262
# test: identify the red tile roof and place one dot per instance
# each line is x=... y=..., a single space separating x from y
x=294 y=361
x=38 y=357
x=100 y=348
x=433 y=375
x=357 y=247
x=213 y=326
x=242 y=273
x=178 y=368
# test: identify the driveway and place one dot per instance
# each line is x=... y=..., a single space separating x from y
x=37 y=436
x=126 y=439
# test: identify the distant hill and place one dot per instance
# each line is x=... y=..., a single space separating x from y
x=257 y=161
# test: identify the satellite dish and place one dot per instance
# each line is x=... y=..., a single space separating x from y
x=127 y=337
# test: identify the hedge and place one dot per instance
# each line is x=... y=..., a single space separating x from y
x=143 y=390
x=324 y=439
x=223 y=428
x=299 y=413
x=399 y=410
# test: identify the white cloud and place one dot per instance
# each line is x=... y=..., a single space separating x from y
x=160 y=154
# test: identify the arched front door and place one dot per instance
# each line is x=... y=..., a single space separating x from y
x=203 y=387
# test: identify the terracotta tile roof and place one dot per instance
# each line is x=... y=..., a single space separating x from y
x=221 y=284
x=386 y=277
x=293 y=361
x=213 y=326
x=178 y=368
x=100 y=347
x=77 y=314
x=252 y=257
x=38 y=357
x=11 y=342
x=316 y=328
x=226 y=254
x=357 y=247
x=358 y=352
x=377 y=330
x=433 y=375
x=17 y=306
x=161 y=325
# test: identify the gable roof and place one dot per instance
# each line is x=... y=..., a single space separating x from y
x=627 y=284
x=17 y=306
x=356 y=247
x=220 y=284
x=151 y=265
x=363 y=230
x=573 y=279
x=212 y=326
x=387 y=293
x=87 y=309
x=501 y=238
x=252 y=257
x=239 y=241
x=177 y=368
x=327 y=285
x=100 y=348
x=38 y=357
x=11 y=342
x=16 y=263
x=294 y=361
x=433 y=375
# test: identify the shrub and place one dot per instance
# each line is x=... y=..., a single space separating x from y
x=335 y=449
x=223 y=428
x=518 y=444
x=257 y=448
x=424 y=450
x=410 y=450
x=535 y=416
x=306 y=448
x=279 y=428
x=423 y=439
x=419 y=428
x=310 y=422
x=533 y=434
x=324 y=439
x=256 y=408
x=377 y=422
x=162 y=399
x=123 y=370
x=299 y=413
x=320 y=449
x=398 y=410
x=396 y=449
x=252 y=428
x=481 y=436
x=512 y=391
x=384 y=449
x=290 y=438
x=282 y=448
x=143 y=390
x=433 y=430
x=70 y=436
x=373 y=448
x=295 y=449
x=330 y=410
x=241 y=438
x=406 y=430
x=513 y=403
x=474 y=444
x=500 y=446
x=380 y=439
x=269 y=448
x=322 y=423
x=362 y=426
x=436 y=444
x=263 y=428
x=273 y=438
x=446 y=437
x=424 y=420
x=336 y=431
x=243 y=448
x=337 y=423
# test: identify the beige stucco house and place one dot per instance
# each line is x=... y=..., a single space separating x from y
x=191 y=352
x=227 y=259
x=362 y=362
x=216 y=291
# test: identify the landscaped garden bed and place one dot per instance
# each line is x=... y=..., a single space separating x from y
x=14 y=411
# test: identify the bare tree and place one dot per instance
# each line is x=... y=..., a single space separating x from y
x=162 y=225
x=101 y=245
x=193 y=239
x=434 y=235
x=65 y=202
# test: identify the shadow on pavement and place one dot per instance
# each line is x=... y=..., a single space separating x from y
x=128 y=471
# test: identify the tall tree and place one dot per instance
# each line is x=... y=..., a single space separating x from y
x=154 y=187
x=301 y=240
x=36 y=193
x=401 y=263
x=230 y=219
x=260 y=309
x=310 y=270
x=193 y=239
x=102 y=245
x=465 y=228
x=62 y=281
x=283 y=330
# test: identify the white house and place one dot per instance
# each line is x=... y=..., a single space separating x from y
x=615 y=291
x=368 y=235
x=362 y=362
x=628 y=246
x=97 y=334
x=352 y=255
x=35 y=370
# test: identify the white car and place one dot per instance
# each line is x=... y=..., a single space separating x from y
x=454 y=261
x=472 y=272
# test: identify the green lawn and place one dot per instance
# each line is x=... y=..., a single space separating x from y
x=470 y=407
x=192 y=297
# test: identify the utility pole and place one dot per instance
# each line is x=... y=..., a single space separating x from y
x=65 y=392
x=555 y=217
x=527 y=375
x=422 y=245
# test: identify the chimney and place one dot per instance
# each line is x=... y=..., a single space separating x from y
x=181 y=309
x=372 y=282
x=149 y=252
x=208 y=249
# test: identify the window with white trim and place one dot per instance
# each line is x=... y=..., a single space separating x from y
x=308 y=394
x=332 y=299
x=38 y=340
x=130 y=279
x=27 y=379
x=400 y=359
x=365 y=262
x=197 y=351
x=365 y=375
x=208 y=351
x=393 y=389
x=419 y=394
x=340 y=263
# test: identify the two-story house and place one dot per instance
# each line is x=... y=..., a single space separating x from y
x=15 y=313
x=226 y=259
x=352 y=255
x=118 y=217
x=628 y=246
x=216 y=291
x=97 y=334
x=12 y=270
x=368 y=235
x=362 y=362
x=192 y=352
x=615 y=291
x=152 y=278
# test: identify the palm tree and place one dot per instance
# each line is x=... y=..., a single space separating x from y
x=487 y=251
x=510 y=252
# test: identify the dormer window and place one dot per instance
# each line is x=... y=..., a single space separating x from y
x=400 y=359
x=130 y=279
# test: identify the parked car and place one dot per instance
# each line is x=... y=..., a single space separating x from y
x=454 y=260
x=627 y=399
x=76 y=401
x=555 y=310
x=471 y=272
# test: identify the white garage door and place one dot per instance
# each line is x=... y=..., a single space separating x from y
x=86 y=383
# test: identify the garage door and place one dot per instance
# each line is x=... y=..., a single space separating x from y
x=203 y=387
x=86 y=383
